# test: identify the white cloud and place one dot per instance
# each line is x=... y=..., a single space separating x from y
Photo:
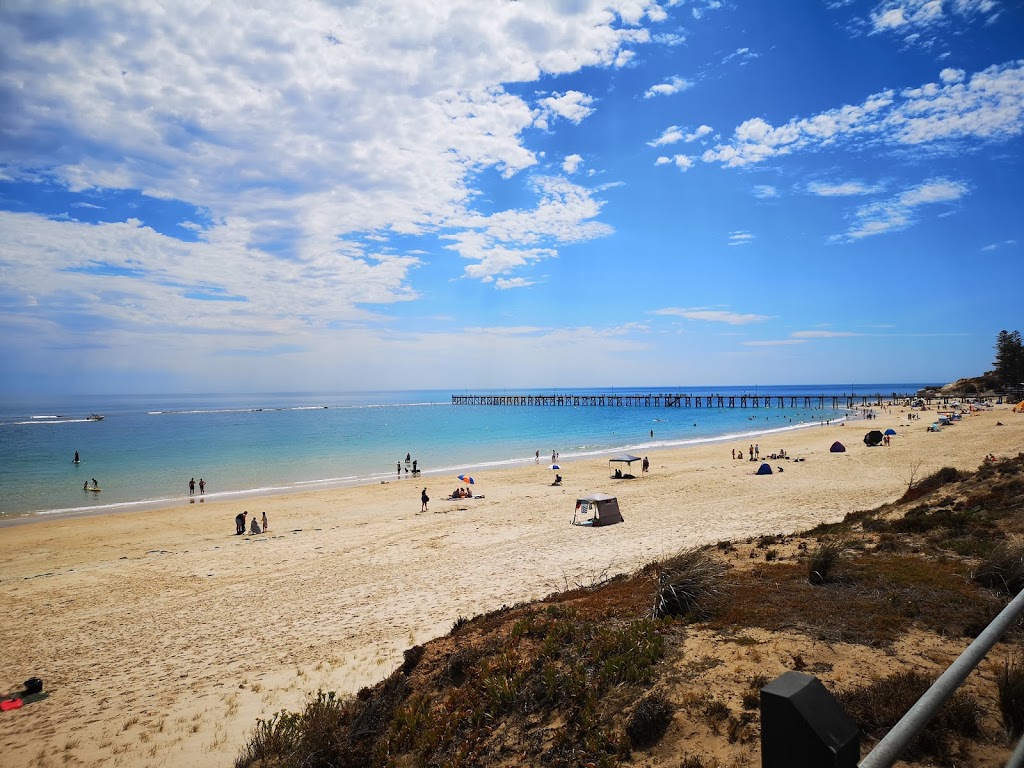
x=133 y=280
x=670 y=39
x=824 y=334
x=571 y=105
x=508 y=240
x=899 y=212
x=745 y=55
x=504 y=284
x=774 y=343
x=672 y=86
x=670 y=135
x=674 y=134
x=740 y=238
x=702 y=130
x=926 y=15
x=765 y=191
x=309 y=139
x=571 y=163
x=682 y=162
x=989 y=107
x=841 y=189
x=712 y=315
x=997 y=246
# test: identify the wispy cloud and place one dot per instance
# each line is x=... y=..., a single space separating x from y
x=997 y=246
x=917 y=16
x=824 y=334
x=712 y=315
x=988 y=107
x=899 y=212
x=841 y=189
x=745 y=55
x=765 y=191
x=740 y=238
x=774 y=342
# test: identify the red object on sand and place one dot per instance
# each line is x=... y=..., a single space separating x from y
x=11 y=704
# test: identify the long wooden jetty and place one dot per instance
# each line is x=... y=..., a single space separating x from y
x=682 y=400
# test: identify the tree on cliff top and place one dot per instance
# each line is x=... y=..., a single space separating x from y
x=1009 y=363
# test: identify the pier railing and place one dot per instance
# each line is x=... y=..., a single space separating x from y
x=686 y=400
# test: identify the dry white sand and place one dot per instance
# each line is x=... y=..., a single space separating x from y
x=161 y=636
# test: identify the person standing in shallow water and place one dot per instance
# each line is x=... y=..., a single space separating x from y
x=192 y=487
x=202 y=486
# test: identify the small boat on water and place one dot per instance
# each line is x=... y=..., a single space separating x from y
x=95 y=417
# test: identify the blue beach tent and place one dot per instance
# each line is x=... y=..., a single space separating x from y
x=764 y=469
x=838 y=447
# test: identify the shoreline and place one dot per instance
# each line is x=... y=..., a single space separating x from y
x=327 y=484
x=161 y=636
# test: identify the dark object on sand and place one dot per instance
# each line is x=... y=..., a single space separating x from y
x=873 y=438
x=32 y=686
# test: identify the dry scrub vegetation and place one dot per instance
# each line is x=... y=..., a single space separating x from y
x=663 y=667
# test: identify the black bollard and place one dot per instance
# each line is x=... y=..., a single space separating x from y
x=803 y=726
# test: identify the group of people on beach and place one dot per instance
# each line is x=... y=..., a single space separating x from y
x=408 y=460
x=254 y=525
x=192 y=487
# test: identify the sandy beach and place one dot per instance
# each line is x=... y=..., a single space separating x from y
x=161 y=636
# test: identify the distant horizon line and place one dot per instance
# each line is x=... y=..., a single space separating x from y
x=455 y=390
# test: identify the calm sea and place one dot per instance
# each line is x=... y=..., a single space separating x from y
x=146 y=448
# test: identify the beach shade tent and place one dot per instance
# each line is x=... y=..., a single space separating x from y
x=838 y=447
x=890 y=431
x=623 y=458
x=597 y=509
x=1019 y=407
x=873 y=438
x=764 y=469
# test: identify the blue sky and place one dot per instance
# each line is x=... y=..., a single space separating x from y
x=481 y=194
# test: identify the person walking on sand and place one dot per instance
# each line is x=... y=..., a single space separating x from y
x=646 y=465
x=265 y=526
x=202 y=486
x=423 y=500
x=192 y=487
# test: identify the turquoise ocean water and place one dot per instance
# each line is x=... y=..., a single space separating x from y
x=147 y=447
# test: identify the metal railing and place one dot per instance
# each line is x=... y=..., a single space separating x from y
x=888 y=750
